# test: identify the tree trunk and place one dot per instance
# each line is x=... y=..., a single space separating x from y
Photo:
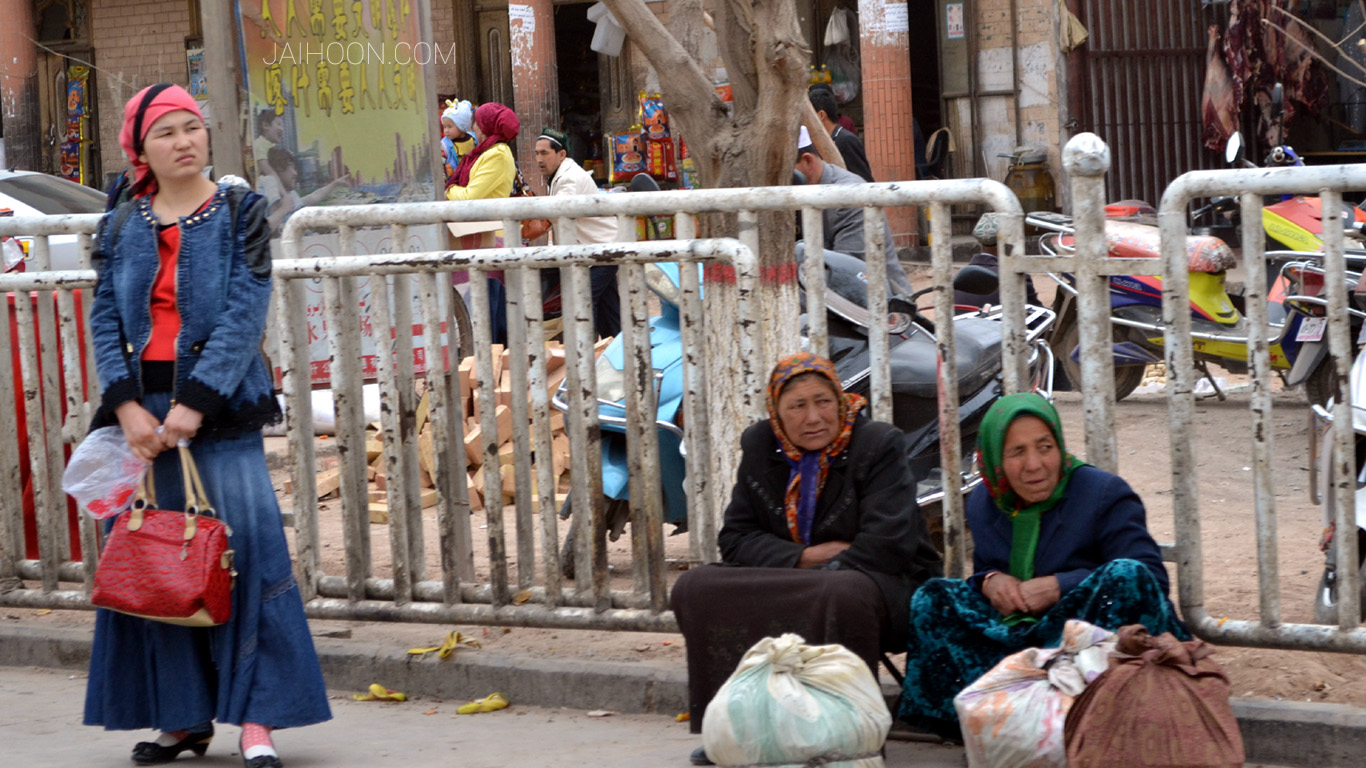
x=766 y=57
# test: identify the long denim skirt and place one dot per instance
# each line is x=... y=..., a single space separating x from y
x=261 y=666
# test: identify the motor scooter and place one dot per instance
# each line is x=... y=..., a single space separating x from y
x=1219 y=330
x=915 y=383
x=1321 y=465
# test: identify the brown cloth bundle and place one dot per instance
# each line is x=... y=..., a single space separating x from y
x=1162 y=702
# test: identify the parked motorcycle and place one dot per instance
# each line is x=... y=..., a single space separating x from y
x=1313 y=367
x=1219 y=329
x=915 y=383
x=1322 y=463
x=978 y=336
x=1294 y=229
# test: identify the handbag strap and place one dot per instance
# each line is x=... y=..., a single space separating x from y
x=196 y=500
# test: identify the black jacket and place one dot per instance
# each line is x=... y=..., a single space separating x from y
x=851 y=149
x=868 y=500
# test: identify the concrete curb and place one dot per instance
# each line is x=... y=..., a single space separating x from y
x=634 y=688
x=1301 y=733
x=1274 y=732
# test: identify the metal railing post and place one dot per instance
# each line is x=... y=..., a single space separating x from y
x=1087 y=159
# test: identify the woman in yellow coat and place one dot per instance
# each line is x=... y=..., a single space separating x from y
x=487 y=173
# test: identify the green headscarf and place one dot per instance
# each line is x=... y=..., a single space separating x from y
x=1024 y=520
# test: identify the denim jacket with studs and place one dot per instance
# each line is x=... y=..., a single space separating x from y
x=223 y=291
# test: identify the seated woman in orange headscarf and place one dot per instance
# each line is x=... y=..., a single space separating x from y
x=822 y=536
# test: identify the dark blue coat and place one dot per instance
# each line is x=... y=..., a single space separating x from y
x=1099 y=519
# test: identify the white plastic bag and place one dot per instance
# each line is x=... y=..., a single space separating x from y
x=837 y=28
x=103 y=473
x=789 y=703
x=842 y=55
x=1013 y=716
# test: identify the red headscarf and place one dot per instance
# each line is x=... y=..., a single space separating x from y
x=499 y=124
x=148 y=106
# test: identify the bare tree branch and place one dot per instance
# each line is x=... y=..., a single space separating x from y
x=686 y=25
x=735 y=38
x=666 y=55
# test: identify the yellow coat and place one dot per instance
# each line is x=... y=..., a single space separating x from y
x=491 y=177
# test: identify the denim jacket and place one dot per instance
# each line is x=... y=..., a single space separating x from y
x=223 y=290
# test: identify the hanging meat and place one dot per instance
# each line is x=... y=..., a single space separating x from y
x=1242 y=46
x=1305 y=80
x=1219 y=108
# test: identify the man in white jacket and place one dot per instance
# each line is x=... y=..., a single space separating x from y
x=566 y=177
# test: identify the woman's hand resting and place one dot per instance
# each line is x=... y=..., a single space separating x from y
x=140 y=430
x=1040 y=594
x=820 y=554
x=1008 y=595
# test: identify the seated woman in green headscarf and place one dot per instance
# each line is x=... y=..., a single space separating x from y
x=1055 y=539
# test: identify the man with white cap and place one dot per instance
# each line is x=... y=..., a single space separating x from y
x=844 y=226
x=567 y=177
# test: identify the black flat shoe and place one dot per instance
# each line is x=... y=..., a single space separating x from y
x=699 y=757
x=152 y=753
x=264 y=761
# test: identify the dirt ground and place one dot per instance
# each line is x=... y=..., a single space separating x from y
x=1223 y=457
x=1225 y=493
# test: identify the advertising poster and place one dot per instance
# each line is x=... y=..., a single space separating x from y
x=340 y=116
x=199 y=80
x=73 y=146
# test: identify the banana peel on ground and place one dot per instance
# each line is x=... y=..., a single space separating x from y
x=380 y=693
x=489 y=703
x=448 y=646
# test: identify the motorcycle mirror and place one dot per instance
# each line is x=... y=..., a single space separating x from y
x=1233 y=150
x=976 y=279
x=1277 y=101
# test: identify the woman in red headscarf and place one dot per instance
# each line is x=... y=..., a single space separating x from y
x=489 y=170
x=179 y=312
x=822 y=536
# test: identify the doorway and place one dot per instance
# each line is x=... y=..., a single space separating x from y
x=580 y=92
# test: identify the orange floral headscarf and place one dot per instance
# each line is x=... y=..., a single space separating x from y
x=808 y=468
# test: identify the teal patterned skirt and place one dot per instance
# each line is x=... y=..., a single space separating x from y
x=956 y=635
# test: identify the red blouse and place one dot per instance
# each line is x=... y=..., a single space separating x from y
x=161 y=346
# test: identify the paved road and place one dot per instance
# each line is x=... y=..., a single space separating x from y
x=40 y=725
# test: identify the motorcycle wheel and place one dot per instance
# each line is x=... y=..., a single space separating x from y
x=1318 y=388
x=1127 y=377
x=463 y=327
x=1326 y=596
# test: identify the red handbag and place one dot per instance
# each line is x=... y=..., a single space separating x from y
x=166 y=565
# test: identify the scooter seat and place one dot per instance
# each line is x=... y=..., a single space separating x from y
x=977 y=344
x=1130 y=240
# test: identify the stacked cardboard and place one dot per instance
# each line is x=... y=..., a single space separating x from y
x=328 y=481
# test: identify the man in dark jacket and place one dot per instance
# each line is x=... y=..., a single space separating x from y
x=848 y=143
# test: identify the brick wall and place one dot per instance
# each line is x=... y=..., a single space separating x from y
x=137 y=43
x=443 y=36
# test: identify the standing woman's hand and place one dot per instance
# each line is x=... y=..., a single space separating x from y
x=140 y=430
x=181 y=424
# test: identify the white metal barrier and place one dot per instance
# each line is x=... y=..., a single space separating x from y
x=535 y=594
x=1329 y=182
